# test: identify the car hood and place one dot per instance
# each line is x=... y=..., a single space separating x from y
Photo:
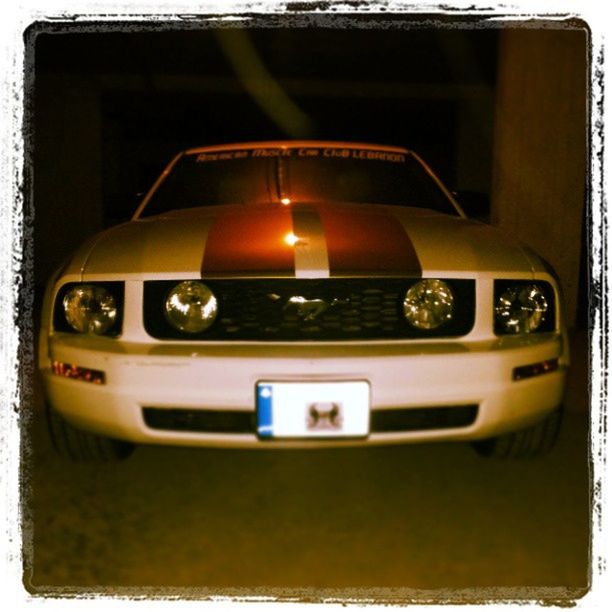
x=307 y=241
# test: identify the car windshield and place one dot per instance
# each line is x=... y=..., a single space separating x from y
x=305 y=174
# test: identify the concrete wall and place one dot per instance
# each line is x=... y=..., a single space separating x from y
x=539 y=165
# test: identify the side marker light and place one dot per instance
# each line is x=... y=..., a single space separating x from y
x=535 y=369
x=68 y=370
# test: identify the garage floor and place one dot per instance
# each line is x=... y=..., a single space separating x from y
x=432 y=522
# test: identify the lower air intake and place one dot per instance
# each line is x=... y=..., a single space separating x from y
x=243 y=422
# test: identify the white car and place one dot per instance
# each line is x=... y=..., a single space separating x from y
x=302 y=294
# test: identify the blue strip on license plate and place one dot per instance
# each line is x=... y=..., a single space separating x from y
x=264 y=411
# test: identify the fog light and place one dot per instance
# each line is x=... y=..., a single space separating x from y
x=68 y=370
x=535 y=369
x=191 y=307
x=428 y=304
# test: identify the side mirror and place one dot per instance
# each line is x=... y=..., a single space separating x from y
x=475 y=205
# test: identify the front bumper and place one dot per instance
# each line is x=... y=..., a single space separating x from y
x=223 y=377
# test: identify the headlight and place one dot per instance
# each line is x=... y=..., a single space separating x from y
x=90 y=309
x=191 y=307
x=521 y=308
x=428 y=304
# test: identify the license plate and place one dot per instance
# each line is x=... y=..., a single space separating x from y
x=313 y=409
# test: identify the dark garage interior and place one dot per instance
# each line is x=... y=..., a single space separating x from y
x=501 y=114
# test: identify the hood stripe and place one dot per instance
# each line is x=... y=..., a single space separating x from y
x=326 y=242
x=368 y=242
x=249 y=243
x=311 y=259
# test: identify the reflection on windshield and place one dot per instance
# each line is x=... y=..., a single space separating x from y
x=293 y=175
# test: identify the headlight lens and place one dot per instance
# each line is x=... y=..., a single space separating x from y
x=90 y=309
x=521 y=309
x=191 y=307
x=428 y=304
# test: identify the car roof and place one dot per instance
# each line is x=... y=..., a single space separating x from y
x=294 y=144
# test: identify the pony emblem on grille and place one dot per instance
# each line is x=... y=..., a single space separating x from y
x=306 y=309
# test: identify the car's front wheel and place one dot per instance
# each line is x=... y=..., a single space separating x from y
x=529 y=443
x=78 y=445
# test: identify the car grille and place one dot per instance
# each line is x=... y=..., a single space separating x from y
x=243 y=422
x=305 y=309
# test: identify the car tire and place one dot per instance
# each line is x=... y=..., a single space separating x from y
x=535 y=441
x=82 y=446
